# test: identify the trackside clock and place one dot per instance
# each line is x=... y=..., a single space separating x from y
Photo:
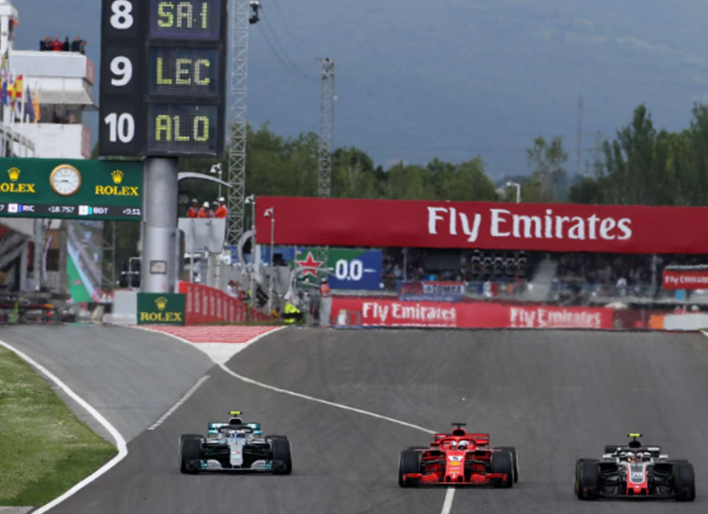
x=65 y=180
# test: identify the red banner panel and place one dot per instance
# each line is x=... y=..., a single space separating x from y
x=485 y=225
x=394 y=313
x=206 y=304
x=685 y=279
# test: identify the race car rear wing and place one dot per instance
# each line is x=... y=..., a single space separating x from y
x=480 y=439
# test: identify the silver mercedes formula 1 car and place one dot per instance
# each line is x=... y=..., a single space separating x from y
x=235 y=446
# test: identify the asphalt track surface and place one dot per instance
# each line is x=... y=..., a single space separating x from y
x=556 y=396
x=131 y=377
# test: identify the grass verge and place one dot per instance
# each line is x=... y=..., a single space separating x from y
x=44 y=448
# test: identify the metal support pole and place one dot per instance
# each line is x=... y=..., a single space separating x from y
x=38 y=253
x=191 y=267
x=253 y=275
x=272 y=260
x=654 y=265
x=159 y=269
x=405 y=264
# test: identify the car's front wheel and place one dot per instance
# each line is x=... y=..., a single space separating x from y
x=685 y=482
x=514 y=459
x=282 y=456
x=190 y=453
x=503 y=462
x=588 y=479
x=408 y=463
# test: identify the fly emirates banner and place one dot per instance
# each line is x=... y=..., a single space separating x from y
x=485 y=225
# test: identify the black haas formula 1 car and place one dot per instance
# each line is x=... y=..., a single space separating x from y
x=235 y=446
x=634 y=471
x=458 y=458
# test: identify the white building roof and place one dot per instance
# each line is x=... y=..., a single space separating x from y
x=63 y=78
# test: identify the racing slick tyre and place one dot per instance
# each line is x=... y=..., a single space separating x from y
x=515 y=460
x=272 y=437
x=587 y=479
x=503 y=462
x=684 y=482
x=408 y=462
x=190 y=453
x=418 y=448
x=577 y=477
x=282 y=457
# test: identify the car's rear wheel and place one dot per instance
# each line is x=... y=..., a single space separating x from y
x=503 y=462
x=515 y=460
x=190 y=453
x=282 y=456
x=408 y=462
x=588 y=479
x=684 y=482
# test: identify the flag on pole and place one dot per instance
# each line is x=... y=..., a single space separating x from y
x=36 y=104
x=4 y=97
x=15 y=89
x=30 y=105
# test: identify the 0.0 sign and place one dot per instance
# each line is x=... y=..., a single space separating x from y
x=349 y=270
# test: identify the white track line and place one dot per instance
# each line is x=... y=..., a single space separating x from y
x=324 y=402
x=120 y=442
x=177 y=405
x=449 y=497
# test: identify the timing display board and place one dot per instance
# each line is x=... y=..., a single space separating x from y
x=71 y=189
x=163 y=78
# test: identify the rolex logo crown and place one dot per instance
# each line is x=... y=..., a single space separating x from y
x=117 y=176
x=161 y=303
x=14 y=174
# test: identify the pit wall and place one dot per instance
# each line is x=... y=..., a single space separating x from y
x=348 y=312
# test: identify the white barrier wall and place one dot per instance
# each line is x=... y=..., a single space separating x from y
x=125 y=308
x=685 y=321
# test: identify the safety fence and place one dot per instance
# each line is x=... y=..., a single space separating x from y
x=204 y=304
x=354 y=312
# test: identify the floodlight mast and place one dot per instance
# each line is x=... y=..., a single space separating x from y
x=244 y=13
x=328 y=96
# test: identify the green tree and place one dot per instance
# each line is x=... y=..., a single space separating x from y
x=354 y=175
x=547 y=160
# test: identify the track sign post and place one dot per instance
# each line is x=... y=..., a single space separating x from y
x=163 y=78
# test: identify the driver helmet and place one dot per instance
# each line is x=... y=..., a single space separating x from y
x=463 y=445
x=453 y=445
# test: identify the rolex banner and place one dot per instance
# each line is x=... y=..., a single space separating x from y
x=160 y=309
x=71 y=189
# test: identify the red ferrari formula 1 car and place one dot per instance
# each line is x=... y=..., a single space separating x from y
x=634 y=471
x=458 y=458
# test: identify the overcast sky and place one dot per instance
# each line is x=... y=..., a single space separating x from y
x=454 y=79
